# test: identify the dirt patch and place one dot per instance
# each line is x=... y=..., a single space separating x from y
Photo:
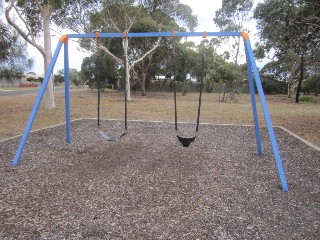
x=146 y=186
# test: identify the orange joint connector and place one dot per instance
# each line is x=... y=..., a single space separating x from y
x=204 y=34
x=174 y=34
x=64 y=38
x=124 y=35
x=245 y=36
x=98 y=37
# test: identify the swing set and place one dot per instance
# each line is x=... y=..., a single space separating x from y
x=253 y=76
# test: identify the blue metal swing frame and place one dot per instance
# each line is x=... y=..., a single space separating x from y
x=253 y=75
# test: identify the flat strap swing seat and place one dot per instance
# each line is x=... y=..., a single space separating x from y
x=111 y=138
x=103 y=134
x=185 y=141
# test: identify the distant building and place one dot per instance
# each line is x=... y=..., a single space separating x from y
x=21 y=80
x=161 y=78
x=191 y=78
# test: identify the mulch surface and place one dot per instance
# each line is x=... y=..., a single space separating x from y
x=147 y=186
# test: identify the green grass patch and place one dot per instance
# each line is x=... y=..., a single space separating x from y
x=18 y=89
x=9 y=89
x=308 y=98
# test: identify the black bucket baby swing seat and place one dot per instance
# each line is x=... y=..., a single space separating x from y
x=185 y=141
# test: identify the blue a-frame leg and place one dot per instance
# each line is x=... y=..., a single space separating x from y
x=67 y=88
x=254 y=106
x=36 y=105
x=253 y=68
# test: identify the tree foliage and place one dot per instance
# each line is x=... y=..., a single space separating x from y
x=74 y=77
x=100 y=70
x=13 y=57
x=311 y=85
x=290 y=30
x=231 y=17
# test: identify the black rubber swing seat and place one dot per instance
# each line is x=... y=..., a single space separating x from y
x=111 y=138
x=186 y=141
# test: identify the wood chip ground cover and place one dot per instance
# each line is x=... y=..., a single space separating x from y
x=147 y=186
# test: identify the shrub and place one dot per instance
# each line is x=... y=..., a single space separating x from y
x=308 y=98
x=109 y=86
x=273 y=87
x=311 y=85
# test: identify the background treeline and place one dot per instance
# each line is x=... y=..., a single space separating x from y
x=289 y=41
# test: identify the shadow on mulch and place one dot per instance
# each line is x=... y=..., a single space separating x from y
x=147 y=186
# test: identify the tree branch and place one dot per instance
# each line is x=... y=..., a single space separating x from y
x=19 y=30
x=308 y=23
x=134 y=18
x=39 y=5
x=147 y=53
x=118 y=60
x=22 y=19
x=127 y=18
x=113 y=23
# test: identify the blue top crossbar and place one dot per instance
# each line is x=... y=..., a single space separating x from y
x=156 y=34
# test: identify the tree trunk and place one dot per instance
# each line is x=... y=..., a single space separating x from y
x=127 y=69
x=143 y=79
x=49 y=94
x=292 y=88
x=143 y=84
x=300 y=80
x=238 y=51
x=292 y=80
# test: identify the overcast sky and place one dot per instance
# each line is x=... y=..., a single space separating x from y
x=204 y=9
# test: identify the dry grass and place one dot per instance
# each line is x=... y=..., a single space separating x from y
x=302 y=119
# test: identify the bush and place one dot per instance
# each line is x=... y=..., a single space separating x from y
x=32 y=79
x=109 y=86
x=308 y=98
x=311 y=85
x=273 y=87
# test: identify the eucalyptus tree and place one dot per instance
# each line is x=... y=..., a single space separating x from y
x=290 y=30
x=125 y=16
x=33 y=20
x=231 y=17
x=141 y=69
x=307 y=20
